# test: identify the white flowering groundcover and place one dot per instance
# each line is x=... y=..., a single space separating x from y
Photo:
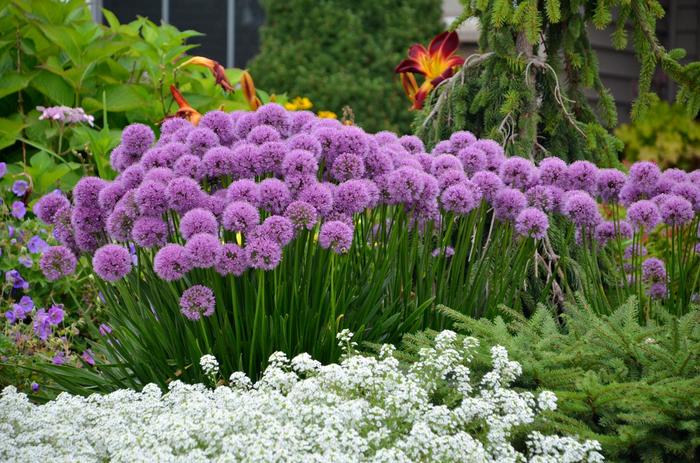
x=363 y=409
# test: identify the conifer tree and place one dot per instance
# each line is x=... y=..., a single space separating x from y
x=526 y=87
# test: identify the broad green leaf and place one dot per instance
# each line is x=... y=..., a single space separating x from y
x=125 y=97
x=66 y=38
x=111 y=19
x=13 y=82
x=54 y=87
x=10 y=127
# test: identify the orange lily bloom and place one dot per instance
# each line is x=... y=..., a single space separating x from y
x=436 y=63
x=248 y=87
x=185 y=111
x=216 y=69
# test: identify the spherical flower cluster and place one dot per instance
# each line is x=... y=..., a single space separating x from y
x=532 y=222
x=335 y=235
x=112 y=262
x=57 y=262
x=197 y=301
x=644 y=214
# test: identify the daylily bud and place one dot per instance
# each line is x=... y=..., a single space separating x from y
x=216 y=69
x=248 y=87
x=185 y=111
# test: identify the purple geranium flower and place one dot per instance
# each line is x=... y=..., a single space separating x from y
x=19 y=210
x=20 y=187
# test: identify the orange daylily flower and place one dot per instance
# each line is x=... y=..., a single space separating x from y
x=216 y=69
x=248 y=87
x=436 y=63
x=185 y=111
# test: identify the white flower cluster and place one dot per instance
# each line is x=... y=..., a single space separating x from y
x=363 y=409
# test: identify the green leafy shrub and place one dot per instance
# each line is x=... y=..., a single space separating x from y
x=665 y=135
x=339 y=53
x=633 y=387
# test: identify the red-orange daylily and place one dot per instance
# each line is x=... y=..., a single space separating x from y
x=437 y=63
x=185 y=111
x=216 y=69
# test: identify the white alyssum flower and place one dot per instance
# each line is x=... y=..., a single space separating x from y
x=209 y=364
x=363 y=409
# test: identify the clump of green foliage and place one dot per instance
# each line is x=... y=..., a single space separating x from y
x=634 y=387
x=527 y=85
x=665 y=135
x=341 y=53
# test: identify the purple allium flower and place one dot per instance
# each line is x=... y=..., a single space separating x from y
x=137 y=138
x=20 y=187
x=48 y=205
x=609 y=184
x=273 y=115
x=675 y=175
x=111 y=262
x=298 y=119
x=240 y=216
x=443 y=163
x=298 y=183
x=55 y=314
x=88 y=358
x=676 y=210
x=424 y=159
x=350 y=139
x=461 y=140
x=244 y=124
x=508 y=203
x=219 y=161
x=630 y=193
x=119 y=160
x=412 y=144
x=191 y=166
x=87 y=219
x=172 y=262
x=638 y=250
x=155 y=157
x=653 y=270
x=582 y=209
x=119 y=224
x=378 y=163
x=162 y=175
x=203 y=249
x=110 y=195
x=532 y=222
x=104 y=329
x=221 y=124
x=644 y=214
x=319 y=196
x=542 y=197
x=405 y=185
x=335 y=235
x=299 y=163
x=200 y=140
x=383 y=137
x=231 y=260
x=269 y=158
x=87 y=242
x=302 y=214
x=451 y=177
x=274 y=196
x=689 y=191
x=443 y=147
x=489 y=183
x=37 y=245
x=184 y=194
x=494 y=153
x=306 y=142
x=247 y=161
x=657 y=291
x=263 y=134
x=18 y=210
x=173 y=124
x=351 y=197
x=129 y=204
x=583 y=176
x=554 y=171
x=263 y=253
x=473 y=159
x=517 y=172
x=276 y=228
x=347 y=166
x=644 y=175
x=243 y=190
x=458 y=199
x=606 y=231
x=149 y=232
x=132 y=176
x=151 y=198
x=42 y=327
x=198 y=220
x=407 y=161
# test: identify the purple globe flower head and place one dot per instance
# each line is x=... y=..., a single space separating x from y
x=162 y=175
x=247 y=160
x=37 y=245
x=442 y=147
x=306 y=142
x=263 y=134
x=151 y=198
x=119 y=160
x=335 y=235
x=405 y=185
x=412 y=144
x=347 y=166
x=532 y=222
x=221 y=124
x=273 y=115
x=319 y=196
x=350 y=139
x=173 y=124
x=231 y=260
x=690 y=192
x=644 y=214
x=87 y=190
x=351 y=197
x=274 y=196
x=201 y=140
x=663 y=186
x=458 y=199
x=451 y=177
x=20 y=187
x=172 y=262
x=508 y=203
x=244 y=124
x=184 y=194
x=637 y=250
x=298 y=183
x=489 y=183
x=173 y=151
x=240 y=216
x=461 y=140
x=264 y=254
x=581 y=209
x=494 y=153
x=219 y=161
x=42 y=327
x=150 y=232
x=299 y=163
x=198 y=220
x=243 y=190
x=609 y=184
x=407 y=161
x=119 y=224
x=87 y=219
x=374 y=193
x=517 y=172
x=129 y=204
x=110 y=195
x=644 y=175
x=694 y=177
x=203 y=249
x=675 y=175
x=57 y=262
x=583 y=175
x=542 y=198
x=473 y=159
x=112 y=262
x=132 y=176
x=269 y=158
x=302 y=215
x=424 y=159
x=190 y=166
x=137 y=138
x=653 y=270
x=48 y=205
x=87 y=242
x=657 y=291
x=396 y=150
x=383 y=137
x=299 y=119
x=55 y=314
x=607 y=231
x=276 y=228
x=443 y=163
x=155 y=157
x=676 y=210
x=630 y=193
x=554 y=171
x=197 y=301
